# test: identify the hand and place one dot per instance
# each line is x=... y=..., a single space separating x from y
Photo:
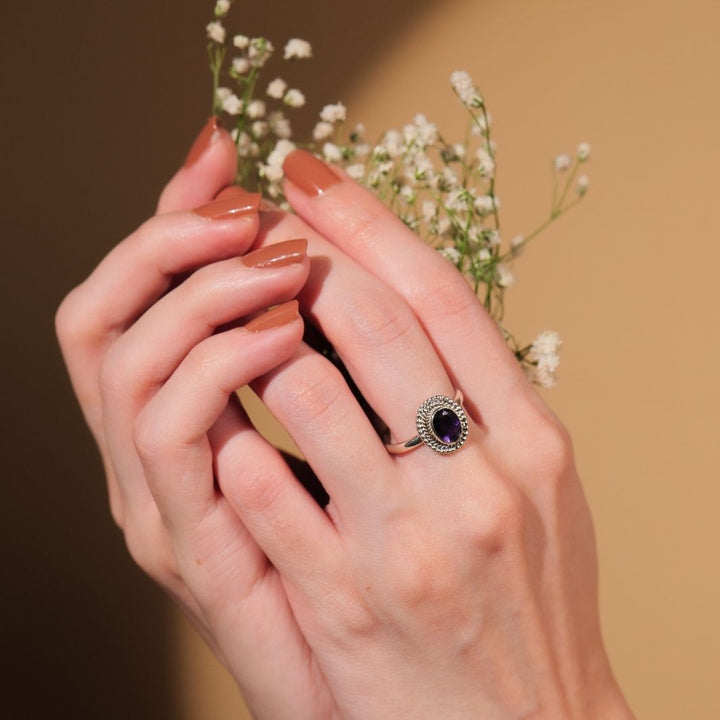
x=154 y=360
x=457 y=586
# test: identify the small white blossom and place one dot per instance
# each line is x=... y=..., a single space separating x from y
x=485 y=204
x=256 y=109
x=273 y=170
x=460 y=150
x=583 y=183
x=259 y=128
x=583 y=152
x=323 y=130
x=331 y=152
x=221 y=8
x=294 y=98
x=493 y=237
x=260 y=51
x=562 y=162
x=544 y=352
x=408 y=194
x=486 y=165
x=484 y=255
x=280 y=125
x=297 y=48
x=333 y=113
x=276 y=89
x=232 y=104
x=393 y=143
x=223 y=92
x=505 y=277
x=465 y=89
x=429 y=210
x=443 y=226
x=451 y=253
x=356 y=171
x=240 y=65
x=216 y=31
x=241 y=42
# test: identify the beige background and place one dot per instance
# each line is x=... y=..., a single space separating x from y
x=101 y=101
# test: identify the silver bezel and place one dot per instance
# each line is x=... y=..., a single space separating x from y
x=424 y=423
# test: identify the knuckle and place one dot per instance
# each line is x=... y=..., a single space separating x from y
x=377 y=319
x=501 y=520
x=312 y=397
x=258 y=491
x=451 y=296
x=150 y=438
x=69 y=325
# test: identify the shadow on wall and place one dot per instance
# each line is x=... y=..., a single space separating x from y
x=105 y=99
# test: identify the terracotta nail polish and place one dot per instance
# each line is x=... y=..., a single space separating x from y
x=280 y=254
x=275 y=317
x=233 y=205
x=309 y=174
x=210 y=132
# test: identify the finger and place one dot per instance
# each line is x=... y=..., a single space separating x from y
x=210 y=165
x=217 y=294
x=173 y=445
x=465 y=336
x=135 y=274
x=377 y=335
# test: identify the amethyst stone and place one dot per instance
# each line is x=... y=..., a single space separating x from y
x=447 y=426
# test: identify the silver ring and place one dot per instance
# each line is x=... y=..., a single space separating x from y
x=441 y=423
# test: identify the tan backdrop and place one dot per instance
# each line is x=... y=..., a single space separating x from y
x=104 y=98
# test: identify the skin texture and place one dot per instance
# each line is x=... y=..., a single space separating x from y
x=459 y=586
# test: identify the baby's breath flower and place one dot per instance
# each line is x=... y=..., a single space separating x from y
x=259 y=51
x=221 y=8
x=333 y=113
x=259 y=128
x=240 y=65
x=232 y=104
x=544 y=354
x=505 y=277
x=450 y=253
x=280 y=125
x=486 y=165
x=276 y=89
x=332 y=152
x=273 y=169
x=241 y=42
x=583 y=152
x=216 y=32
x=356 y=172
x=485 y=204
x=323 y=130
x=294 y=98
x=429 y=210
x=222 y=92
x=562 y=162
x=484 y=255
x=297 y=48
x=256 y=109
x=465 y=89
x=583 y=183
x=407 y=193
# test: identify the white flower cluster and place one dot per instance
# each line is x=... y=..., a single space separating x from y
x=544 y=358
x=444 y=191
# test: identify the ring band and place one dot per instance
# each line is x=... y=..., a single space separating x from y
x=442 y=425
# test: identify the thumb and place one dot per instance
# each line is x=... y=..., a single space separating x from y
x=210 y=165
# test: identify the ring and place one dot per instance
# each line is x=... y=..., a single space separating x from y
x=442 y=425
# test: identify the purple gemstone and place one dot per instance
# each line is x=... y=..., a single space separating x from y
x=447 y=426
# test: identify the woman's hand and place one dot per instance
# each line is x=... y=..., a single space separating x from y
x=156 y=341
x=453 y=586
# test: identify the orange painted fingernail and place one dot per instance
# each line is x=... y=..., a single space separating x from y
x=232 y=205
x=275 y=317
x=211 y=131
x=289 y=252
x=308 y=173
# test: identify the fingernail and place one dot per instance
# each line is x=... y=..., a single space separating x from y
x=307 y=173
x=211 y=131
x=280 y=254
x=275 y=317
x=232 y=191
x=234 y=204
